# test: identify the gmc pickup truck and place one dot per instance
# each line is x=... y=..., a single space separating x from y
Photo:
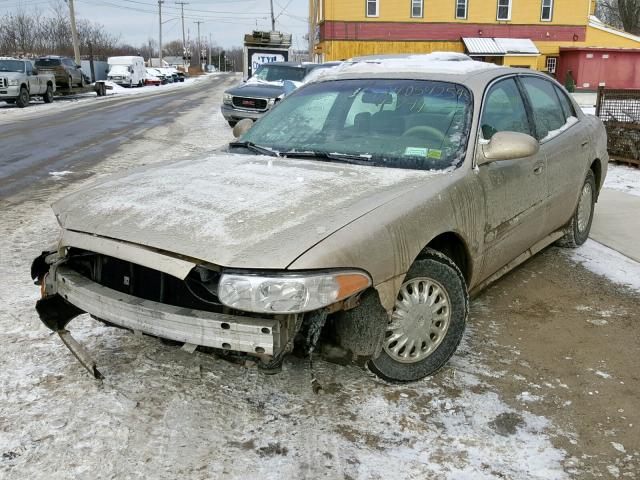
x=19 y=81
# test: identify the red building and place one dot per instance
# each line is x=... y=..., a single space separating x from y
x=592 y=67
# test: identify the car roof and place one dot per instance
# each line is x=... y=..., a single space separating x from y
x=439 y=66
x=289 y=64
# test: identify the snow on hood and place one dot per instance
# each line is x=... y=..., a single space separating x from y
x=258 y=81
x=233 y=210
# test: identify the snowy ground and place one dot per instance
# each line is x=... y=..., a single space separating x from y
x=544 y=385
x=38 y=107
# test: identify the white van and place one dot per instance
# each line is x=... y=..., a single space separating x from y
x=126 y=71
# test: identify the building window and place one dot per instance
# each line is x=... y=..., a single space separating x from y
x=504 y=10
x=372 y=8
x=547 y=10
x=416 y=8
x=461 y=9
x=552 y=63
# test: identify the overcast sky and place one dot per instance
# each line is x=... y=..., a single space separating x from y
x=226 y=20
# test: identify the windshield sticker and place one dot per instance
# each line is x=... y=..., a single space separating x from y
x=416 y=151
x=433 y=153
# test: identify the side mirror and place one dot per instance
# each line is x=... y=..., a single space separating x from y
x=508 y=146
x=242 y=127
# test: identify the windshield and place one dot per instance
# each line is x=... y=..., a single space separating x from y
x=48 y=62
x=11 y=66
x=119 y=69
x=386 y=122
x=276 y=73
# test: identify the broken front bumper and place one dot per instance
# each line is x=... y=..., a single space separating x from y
x=68 y=294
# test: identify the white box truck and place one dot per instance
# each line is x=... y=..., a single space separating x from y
x=264 y=47
x=126 y=71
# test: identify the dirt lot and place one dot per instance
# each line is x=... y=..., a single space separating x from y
x=545 y=385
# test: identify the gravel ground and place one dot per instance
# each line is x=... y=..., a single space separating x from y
x=544 y=386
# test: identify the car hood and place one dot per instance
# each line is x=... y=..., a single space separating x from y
x=258 y=90
x=234 y=210
x=12 y=75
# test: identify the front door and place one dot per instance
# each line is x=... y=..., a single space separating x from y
x=515 y=191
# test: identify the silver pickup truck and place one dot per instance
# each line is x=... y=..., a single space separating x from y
x=19 y=81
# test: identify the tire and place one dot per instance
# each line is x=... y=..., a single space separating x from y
x=48 y=95
x=436 y=276
x=232 y=123
x=82 y=84
x=70 y=82
x=23 y=98
x=579 y=226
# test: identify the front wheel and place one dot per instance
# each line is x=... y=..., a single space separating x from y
x=580 y=224
x=48 y=95
x=427 y=322
x=23 y=98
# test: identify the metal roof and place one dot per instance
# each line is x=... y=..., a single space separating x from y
x=500 y=46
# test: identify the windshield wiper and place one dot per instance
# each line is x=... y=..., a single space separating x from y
x=330 y=157
x=254 y=147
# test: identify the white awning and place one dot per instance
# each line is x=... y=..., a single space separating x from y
x=500 y=47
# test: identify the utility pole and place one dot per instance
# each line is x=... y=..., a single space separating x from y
x=210 y=43
x=160 y=2
x=74 y=32
x=182 y=4
x=273 y=19
x=198 y=22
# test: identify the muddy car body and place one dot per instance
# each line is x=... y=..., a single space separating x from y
x=426 y=179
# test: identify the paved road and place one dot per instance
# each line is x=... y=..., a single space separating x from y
x=34 y=146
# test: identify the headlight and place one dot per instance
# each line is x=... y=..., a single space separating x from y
x=13 y=82
x=227 y=98
x=289 y=293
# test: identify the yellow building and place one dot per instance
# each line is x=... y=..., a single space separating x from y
x=523 y=33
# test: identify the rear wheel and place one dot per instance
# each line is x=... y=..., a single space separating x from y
x=48 y=95
x=23 y=98
x=427 y=322
x=580 y=225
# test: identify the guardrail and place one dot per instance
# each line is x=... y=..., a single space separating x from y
x=619 y=109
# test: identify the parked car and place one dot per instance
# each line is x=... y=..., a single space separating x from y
x=264 y=89
x=152 y=80
x=181 y=75
x=127 y=71
x=65 y=70
x=20 y=80
x=366 y=205
x=155 y=72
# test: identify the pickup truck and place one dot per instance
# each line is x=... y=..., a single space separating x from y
x=19 y=81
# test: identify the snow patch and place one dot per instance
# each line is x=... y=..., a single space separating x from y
x=62 y=173
x=604 y=261
x=624 y=179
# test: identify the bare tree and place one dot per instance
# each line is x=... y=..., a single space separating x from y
x=624 y=14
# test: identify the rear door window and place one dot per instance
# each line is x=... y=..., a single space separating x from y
x=567 y=106
x=548 y=114
x=504 y=110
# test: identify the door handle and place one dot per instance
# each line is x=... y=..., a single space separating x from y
x=538 y=168
x=584 y=144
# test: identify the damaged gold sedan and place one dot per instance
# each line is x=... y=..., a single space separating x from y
x=361 y=213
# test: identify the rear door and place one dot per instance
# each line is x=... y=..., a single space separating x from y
x=515 y=191
x=564 y=141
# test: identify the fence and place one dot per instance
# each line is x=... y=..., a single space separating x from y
x=620 y=112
